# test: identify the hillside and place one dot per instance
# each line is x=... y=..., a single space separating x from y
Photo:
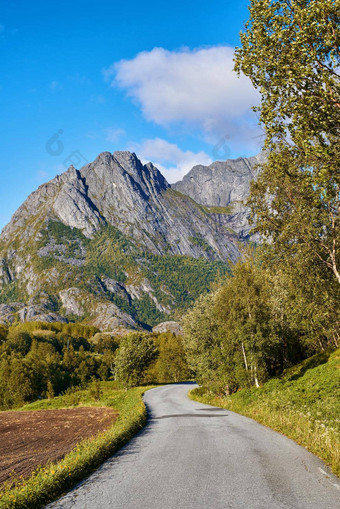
x=304 y=404
x=114 y=245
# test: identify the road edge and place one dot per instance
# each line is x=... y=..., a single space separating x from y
x=285 y=431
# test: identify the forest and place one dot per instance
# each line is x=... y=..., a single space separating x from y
x=43 y=360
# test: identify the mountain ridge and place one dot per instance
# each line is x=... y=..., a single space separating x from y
x=112 y=221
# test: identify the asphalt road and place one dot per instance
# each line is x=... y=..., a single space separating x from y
x=195 y=456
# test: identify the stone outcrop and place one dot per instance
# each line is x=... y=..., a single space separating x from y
x=118 y=189
x=171 y=326
x=15 y=311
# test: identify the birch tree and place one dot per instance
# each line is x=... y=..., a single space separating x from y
x=290 y=51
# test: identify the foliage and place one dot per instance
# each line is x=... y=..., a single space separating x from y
x=254 y=335
x=40 y=359
x=135 y=353
x=103 y=341
x=290 y=51
x=220 y=210
x=201 y=340
x=10 y=293
x=59 y=231
x=199 y=241
x=182 y=278
x=110 y=254
x=44 y=359
x=95 y=391
x=3 y=332
x=170 y=364
x=146 y=312
x=304 y=404
x=254 y=325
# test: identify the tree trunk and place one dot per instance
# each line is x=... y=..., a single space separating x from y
x=257 y=385
x=244 y=357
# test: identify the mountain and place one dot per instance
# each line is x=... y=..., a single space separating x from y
x=114 y=245
x=222 y=187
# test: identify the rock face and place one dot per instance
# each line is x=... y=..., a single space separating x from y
x=173 y=327
x=38 y=312
x=89 y=243
x=224 y=184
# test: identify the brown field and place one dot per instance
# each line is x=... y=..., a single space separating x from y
x=32 y=438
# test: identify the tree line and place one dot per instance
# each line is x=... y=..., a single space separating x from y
x=43 y=360
x=256 y=324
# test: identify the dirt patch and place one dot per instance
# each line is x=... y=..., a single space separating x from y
x=32 y=438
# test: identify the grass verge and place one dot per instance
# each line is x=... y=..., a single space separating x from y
x=54 y=479
x=303 y=404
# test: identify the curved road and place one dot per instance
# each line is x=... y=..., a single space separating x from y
x=194 y=456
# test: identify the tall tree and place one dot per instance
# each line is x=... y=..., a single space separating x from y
x=251 y=336
x=290 y=51
x=170 y=364
x=201 y=340
x=135 y=353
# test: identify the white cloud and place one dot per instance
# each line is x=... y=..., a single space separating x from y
x=113 y=134
x=197 y=88
x=173 y=162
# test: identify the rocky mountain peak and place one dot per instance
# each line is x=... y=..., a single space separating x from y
x=222 y=182
x=103 y=158
x=70 y=174
x=128 y=160
x=91 y=242
x=224 y=186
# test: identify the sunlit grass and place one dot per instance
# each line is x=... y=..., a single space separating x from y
x=53 y=479
x=303 y=404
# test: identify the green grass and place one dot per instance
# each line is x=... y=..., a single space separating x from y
x=53 y=479
x=303 y=404
x=220 y=210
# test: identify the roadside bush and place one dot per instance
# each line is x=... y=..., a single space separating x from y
x=170 y=365
x=135 y=353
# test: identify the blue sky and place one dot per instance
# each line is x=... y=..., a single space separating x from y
x=82 y=77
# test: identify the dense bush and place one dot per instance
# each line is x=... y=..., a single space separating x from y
x=135 y=353
x=170 y=364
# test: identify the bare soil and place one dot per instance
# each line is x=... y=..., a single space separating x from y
x=29 y=439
